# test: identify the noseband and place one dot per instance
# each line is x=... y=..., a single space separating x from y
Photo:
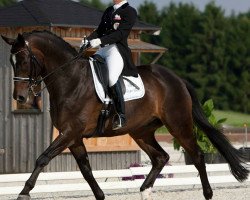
x=32 y=80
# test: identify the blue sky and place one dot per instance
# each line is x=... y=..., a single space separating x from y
x=227 y=5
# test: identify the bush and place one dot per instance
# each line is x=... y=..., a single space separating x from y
x=202 y=140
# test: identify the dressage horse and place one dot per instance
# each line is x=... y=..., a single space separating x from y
x=74 y=107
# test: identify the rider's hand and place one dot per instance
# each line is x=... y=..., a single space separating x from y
x=95 y=43
x=84 y=42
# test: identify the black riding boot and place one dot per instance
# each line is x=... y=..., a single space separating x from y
x=119 y=119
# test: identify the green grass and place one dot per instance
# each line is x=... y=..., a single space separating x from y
x=235 y=119
x=162 y=130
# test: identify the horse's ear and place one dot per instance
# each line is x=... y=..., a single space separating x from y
x=9 y=41
x=20 y=39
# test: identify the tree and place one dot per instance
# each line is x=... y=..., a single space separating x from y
x=208 y=49
x=4 y=3
x=148 y=12
x=180 y=22
x=94 y=3
x=238 y=62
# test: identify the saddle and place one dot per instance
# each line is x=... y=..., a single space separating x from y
x=102 y=73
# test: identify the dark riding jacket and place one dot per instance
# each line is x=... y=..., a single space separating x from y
x=114 y=28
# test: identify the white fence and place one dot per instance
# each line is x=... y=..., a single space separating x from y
x=103 y=177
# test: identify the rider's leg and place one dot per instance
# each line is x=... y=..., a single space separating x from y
x=115 y=65
x=119 y=119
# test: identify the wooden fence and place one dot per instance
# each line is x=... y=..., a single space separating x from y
x=113 y=179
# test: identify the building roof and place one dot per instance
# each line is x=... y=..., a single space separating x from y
x=64 y=13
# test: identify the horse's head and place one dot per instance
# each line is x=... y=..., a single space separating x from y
x=26 y=67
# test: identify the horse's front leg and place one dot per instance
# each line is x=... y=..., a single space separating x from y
x=79 y=152
x=56 y=147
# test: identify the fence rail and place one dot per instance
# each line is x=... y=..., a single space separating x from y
x=103 y=176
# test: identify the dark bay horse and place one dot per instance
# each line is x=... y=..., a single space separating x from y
x=75 y=108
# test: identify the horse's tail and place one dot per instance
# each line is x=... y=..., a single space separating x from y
x=233 y=156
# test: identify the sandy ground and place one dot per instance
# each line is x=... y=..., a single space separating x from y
x=230 y=192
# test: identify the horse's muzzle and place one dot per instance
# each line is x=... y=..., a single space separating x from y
x=21 y=99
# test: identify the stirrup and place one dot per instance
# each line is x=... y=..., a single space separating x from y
x=119 y=121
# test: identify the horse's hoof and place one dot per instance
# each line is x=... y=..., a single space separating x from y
x=209 y=194
x=23 y=197
x=146 y=194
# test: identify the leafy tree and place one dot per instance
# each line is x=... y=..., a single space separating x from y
x=95 y=3
x=208 y=47
x=148 y=13
x=238 y=65
x=4 y=3
x=180 y=22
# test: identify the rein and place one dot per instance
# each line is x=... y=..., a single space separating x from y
x=38 y=82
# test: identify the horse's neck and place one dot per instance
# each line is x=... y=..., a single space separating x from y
x=60 y=78
x=56 y=59
x=66 y=78
x=54 y=52
x=54 y=55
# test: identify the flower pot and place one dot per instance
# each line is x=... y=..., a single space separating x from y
x=210 y=158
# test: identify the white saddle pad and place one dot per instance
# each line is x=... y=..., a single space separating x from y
x=131 y=92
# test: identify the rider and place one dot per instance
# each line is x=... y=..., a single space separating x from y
x=111 y=35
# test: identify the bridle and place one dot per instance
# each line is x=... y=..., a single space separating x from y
x=32 y=79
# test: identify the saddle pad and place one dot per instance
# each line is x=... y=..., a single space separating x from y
x=132 y=93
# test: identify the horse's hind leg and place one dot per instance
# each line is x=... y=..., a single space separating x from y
x=79 y=152
x=56 y=147
x=197 y=156
x=190 y=146
x=157 y=156
x=181 y=127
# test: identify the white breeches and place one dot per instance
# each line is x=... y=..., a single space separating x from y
x=114 y=62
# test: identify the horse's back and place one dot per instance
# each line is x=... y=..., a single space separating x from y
x=165 y=84
x=160 y=73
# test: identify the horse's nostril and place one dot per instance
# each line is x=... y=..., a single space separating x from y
x=20 y=99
